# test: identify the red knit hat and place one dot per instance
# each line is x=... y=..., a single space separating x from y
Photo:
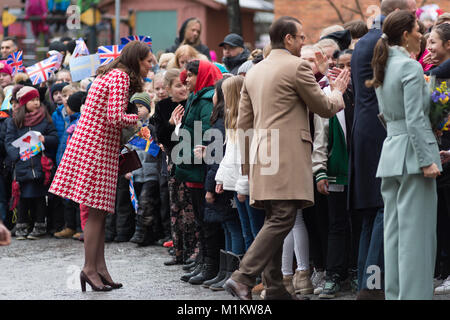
x=26 y=94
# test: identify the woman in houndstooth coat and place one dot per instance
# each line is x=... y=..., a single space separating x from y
x=88 y=171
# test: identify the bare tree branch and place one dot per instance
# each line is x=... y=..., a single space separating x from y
x=337 y=10
x=358 y=5
x=423 y=3
x=350 y=9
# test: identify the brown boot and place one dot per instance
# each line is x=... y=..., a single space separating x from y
x=65 y=234
x=302 y=282
x=288 y=284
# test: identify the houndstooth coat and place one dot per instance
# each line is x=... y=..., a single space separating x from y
x=88 y=170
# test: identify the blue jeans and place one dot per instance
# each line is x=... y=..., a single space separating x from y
x=234 y=240
x=371 y=251
x=3 y=201
x=251 y=219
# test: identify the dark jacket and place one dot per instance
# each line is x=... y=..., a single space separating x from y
x=442 y=71
x=198 y=108
x=30 y=170
x=222 y=209
x=367 y=133
x=233 y=63
x=160 y=119
x=60 y=121
x=203 y=49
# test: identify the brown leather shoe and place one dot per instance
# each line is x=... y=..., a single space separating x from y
x=285 y=296
x=366 y=294
x=239 y=290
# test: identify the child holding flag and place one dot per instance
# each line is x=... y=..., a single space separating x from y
x=32 y=168
x=146 y=179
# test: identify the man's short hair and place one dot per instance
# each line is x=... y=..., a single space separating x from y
x=357 y=28
x=13 y=39
x=280 y=28
x=389 y=6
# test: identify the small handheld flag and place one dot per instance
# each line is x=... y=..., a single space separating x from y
x=84 y=66
x=133 y=198
x=15 y=61
x=80 y=49
x=107 y=54
x=147 y=40
x=144 y=141
x=42 y=70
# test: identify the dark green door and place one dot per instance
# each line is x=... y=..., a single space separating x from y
x=161 y=26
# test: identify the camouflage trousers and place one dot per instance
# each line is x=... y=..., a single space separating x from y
x=182 y=221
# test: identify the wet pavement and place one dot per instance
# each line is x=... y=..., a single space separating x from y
x=49 y=268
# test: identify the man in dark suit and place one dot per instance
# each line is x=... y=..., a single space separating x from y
x=367 y=139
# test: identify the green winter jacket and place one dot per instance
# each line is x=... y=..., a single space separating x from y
x=198 y=108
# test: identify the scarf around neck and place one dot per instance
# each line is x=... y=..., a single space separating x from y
x=34 y=118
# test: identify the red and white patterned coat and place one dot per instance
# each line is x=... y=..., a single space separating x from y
x=88 y=171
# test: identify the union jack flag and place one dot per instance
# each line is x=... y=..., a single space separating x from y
x=107 y=54
x=42 y=70
x=147 y=40
x=26 y=155
x=15 y=61
x=133 y=197
x=80 y=49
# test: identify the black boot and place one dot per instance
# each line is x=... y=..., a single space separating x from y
x=197 y=270
x=222 y=270
x=209 y=271
x=189 y=266
x=139 y=233
x=233 y=261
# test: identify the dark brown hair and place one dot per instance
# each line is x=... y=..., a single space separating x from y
x=20 y=114
x=280 y=28
x=130 y=56
x=443 y=30
x=357 y=28
x=394 y=26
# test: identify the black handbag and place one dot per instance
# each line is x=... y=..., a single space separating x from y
x=129 y=161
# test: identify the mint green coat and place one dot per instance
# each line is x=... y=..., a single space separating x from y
x=404 y=101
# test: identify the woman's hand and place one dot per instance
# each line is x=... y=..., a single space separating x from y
x=209 y=197
x=5 y=235
x=200 y=151
x=341 y=82
x=219 y=188
x=321 y=62
x=427 y=59
x=432 y=171
x=241 y=197
x=42 y=139
x=445 y=156
x=128 y=175
x=177 y=115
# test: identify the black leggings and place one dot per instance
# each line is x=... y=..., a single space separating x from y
x=37 y=208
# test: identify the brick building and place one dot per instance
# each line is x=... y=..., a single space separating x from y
x=318 y=14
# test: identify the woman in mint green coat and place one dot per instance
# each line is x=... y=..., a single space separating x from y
x=409 y=161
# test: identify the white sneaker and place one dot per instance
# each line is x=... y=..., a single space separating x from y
x=320 y=283
x=444 y=288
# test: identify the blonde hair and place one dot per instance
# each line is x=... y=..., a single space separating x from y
x=184 y=50
x=326 y=43
x=22 y=76
x=188 y=25
x=255 y=53
x=68 y=90
x=170 y=76
x=158 y=77
x=231 y=88
x=267 y=49
x=165 y=58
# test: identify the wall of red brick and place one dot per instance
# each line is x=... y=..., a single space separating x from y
x=315 y=15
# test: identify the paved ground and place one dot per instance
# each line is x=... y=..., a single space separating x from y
x=49 y=268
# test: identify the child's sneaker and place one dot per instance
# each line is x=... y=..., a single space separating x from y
x=65 y=234
x=21 y=231
x=39 y=230
x=444 y=288
x=331 y=288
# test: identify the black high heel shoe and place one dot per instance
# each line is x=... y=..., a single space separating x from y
x=84 y=279
x=113 y=285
